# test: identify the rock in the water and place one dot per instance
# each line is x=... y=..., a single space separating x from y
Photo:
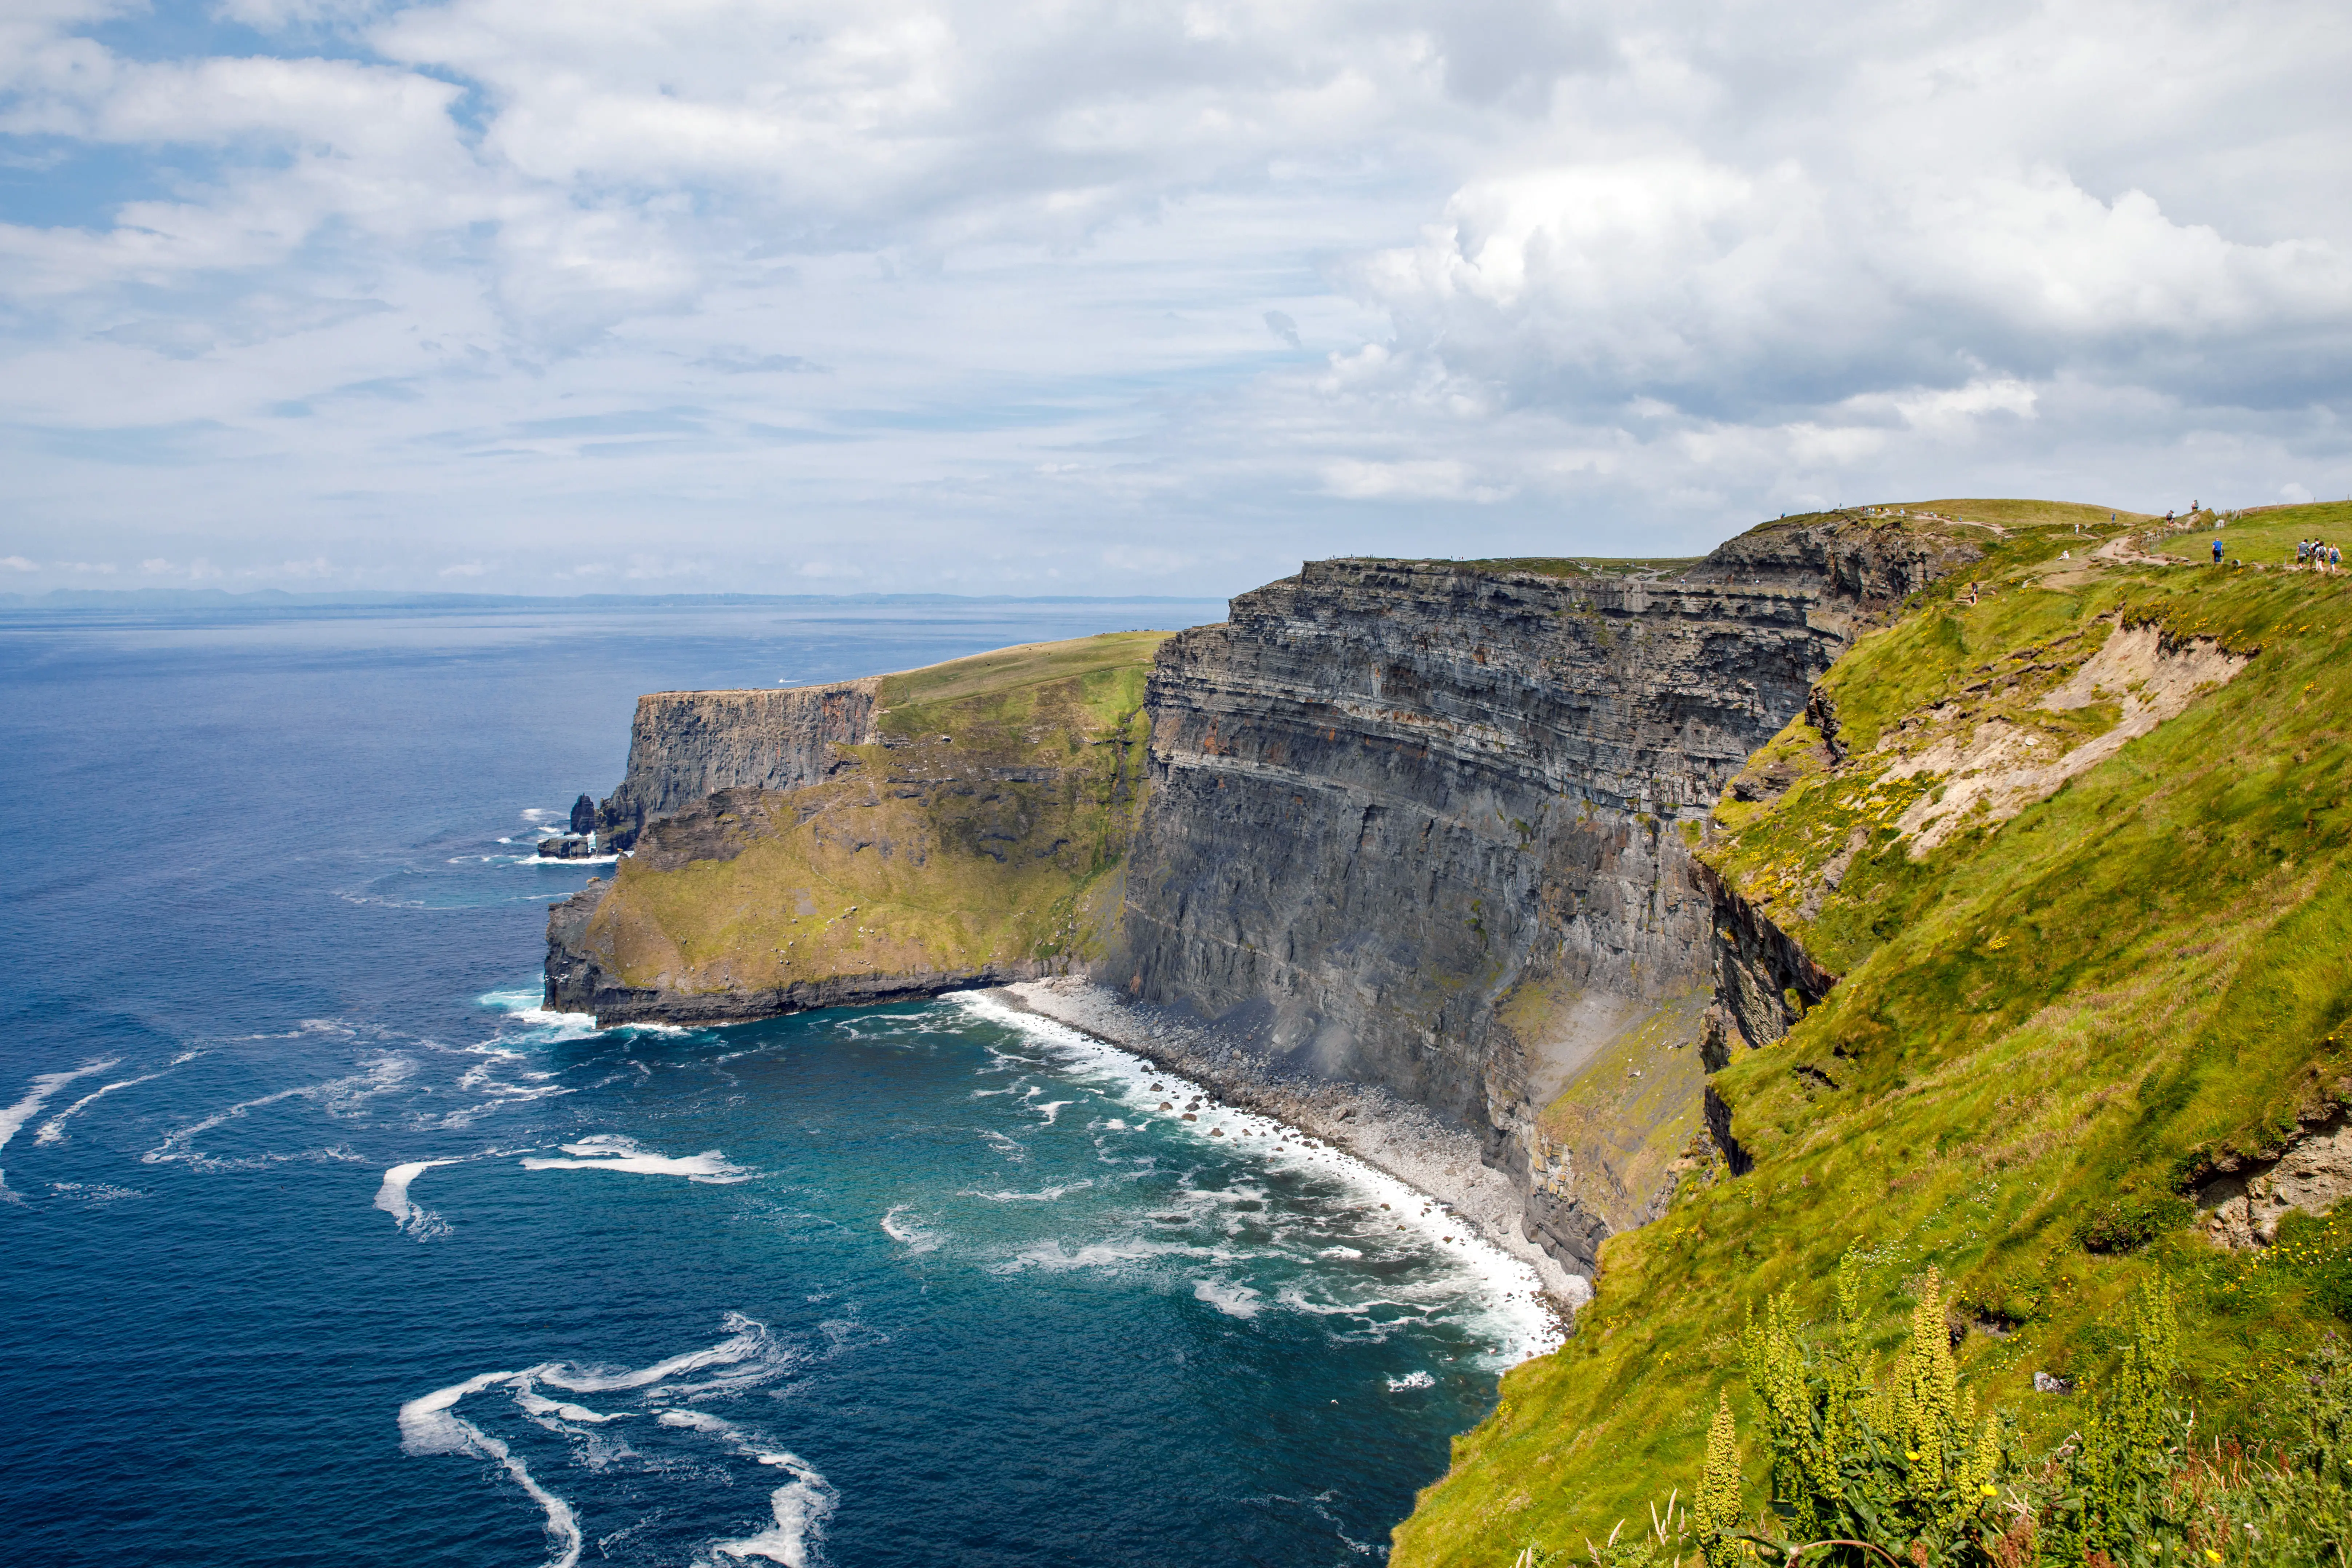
x=567 y=847
x=583 y=816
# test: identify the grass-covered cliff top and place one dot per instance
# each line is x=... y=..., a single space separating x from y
x=2079 y=851
x=1011 y=679
x=1988 y=517
x=987 y=827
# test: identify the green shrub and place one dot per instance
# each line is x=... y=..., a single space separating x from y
x=2133 y=1221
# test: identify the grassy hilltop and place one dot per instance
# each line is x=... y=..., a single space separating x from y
x=2078 y=850
x=988 y=826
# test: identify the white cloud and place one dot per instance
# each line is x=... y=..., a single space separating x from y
x=1436 y=478
x=18 y=564
x=686 y=295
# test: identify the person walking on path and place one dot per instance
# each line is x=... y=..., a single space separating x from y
x=2217 y=552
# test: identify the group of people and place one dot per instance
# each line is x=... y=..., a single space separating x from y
x=2312 y=553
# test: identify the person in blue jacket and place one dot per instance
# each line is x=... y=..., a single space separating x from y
x=2217 y=552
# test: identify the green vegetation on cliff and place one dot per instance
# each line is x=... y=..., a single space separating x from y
x=2078 y=851
x=985 y=828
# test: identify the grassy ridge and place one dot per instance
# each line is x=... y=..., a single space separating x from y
x=2047 y=1028
x=990 y=824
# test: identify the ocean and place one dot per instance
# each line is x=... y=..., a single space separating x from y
x=324 y=1244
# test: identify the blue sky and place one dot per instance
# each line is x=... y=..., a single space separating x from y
x=1093 y=296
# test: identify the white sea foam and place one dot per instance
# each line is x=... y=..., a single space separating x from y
x=546 y=1026
x=39 y=1094
x=700 y=1420
x=539 y=1405
x=427 y=1424
x=1233 y=1300
x=1504 y=1290
x=434 y=1425
x=339 y=1094
x=611 y=1151
x=431 y=1425
x=392 y=1197
x=53 y=1130
x=94 y=1192
x=798 y=1509
x=1053 y=1107
x=1044 y=1196
x=1410 y=1380
x=748 y=1342
x=1055 y=1257
x=912 y=1237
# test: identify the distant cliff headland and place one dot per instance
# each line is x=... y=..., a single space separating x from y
x=1717 y=889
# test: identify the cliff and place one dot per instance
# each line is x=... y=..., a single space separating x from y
x=962 y=825
x=685 y=746
x=1418 y=824
x=2016 y=973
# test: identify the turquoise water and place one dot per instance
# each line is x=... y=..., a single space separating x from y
x=324 y=1244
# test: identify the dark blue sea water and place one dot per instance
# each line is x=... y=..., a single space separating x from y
x=322 y=1246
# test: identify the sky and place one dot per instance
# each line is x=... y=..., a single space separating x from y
x=1123 y=296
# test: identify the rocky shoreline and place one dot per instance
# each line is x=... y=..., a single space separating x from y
x=1387 y=1133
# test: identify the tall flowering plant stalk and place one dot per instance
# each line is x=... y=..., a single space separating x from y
x=1859 y=1462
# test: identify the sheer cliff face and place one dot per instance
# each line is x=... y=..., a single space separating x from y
x=961 y=824
x=1421 y=825
x=685 y=746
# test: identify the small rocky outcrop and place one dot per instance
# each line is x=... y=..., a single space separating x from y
x=567 y=847
x=583 y=817
x=1764 y=979
x=2242 y=1204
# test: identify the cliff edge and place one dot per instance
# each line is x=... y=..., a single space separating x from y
x=1419 y=824
x=2017 y=976
x=963 y=824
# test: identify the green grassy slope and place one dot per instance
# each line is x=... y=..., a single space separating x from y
x=2268 y=536
x=2048 y=1028
x=990 y=825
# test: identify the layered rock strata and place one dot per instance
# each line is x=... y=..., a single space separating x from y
x=1421 y=825
x=685 y=746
